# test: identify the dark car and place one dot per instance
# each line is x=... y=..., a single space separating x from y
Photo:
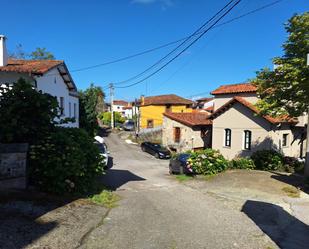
x=178 y=165
x=128 y=125
x=156 y=149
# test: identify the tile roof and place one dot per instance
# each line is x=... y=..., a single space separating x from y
x=120 y=102
x=190 y=118
x=229 y=104
x=204 y=100
x=166 y=99
x=30 y=66
x=235 y=88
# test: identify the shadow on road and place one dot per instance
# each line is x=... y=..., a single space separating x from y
x=295 y=180
x=115 y=178
x=104 y=132
x=284 y=229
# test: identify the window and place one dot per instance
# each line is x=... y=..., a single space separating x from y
x=247 y=140
x=70 y=113
x=285 y=139
x=74 y=110
x=62 y=106
x=150 y=123
x=168 y=108
x=177 y=134
x=227 y=138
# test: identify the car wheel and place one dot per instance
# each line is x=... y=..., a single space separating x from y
x=143 y=149
x=157 y=155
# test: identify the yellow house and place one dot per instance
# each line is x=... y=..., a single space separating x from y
x=152 y=108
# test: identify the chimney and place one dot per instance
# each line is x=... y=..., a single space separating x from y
x=3 y=52
x=142 y=100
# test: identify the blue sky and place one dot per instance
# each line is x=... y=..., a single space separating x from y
x=85 y=33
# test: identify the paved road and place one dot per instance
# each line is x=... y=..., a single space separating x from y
x=157 y=212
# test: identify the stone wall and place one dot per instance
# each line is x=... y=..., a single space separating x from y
x=13 y=163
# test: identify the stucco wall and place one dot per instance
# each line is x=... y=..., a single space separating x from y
x=53 y=84
x=264 y=134
x=155 y=112
x=190 y=138
x=221 y=99
x=238 y=119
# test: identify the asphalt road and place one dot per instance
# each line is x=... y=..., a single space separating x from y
x=156 y=211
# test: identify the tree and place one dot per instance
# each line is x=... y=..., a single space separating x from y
x=38 y=54
x=285 y=90
x=88 y=108
x=26 y=115
x=106 y=118
x=41 y=54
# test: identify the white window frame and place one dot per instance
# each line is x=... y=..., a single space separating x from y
x=225 y=144
x=287 y=139
x=245 y=142
x=75 y=110
x=62 y=106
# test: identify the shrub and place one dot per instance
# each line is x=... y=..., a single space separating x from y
x=292 y=165
x=242 y=163
x=106 y=118
x=26 y=115
x=207 y=162
x=267 y=160
x=65 y=161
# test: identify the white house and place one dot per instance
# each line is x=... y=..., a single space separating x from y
x=48 y=76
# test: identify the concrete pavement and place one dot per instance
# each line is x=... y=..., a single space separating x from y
x=156 y=211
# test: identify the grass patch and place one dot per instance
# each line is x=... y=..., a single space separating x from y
x=291 y=192
x=208 y=177
x=183 y=178
x=106 y=198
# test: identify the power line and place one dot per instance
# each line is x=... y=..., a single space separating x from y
x=178 y=47
x=173 y=42
x=186 y=48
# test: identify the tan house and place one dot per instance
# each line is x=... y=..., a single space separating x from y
x=239 y=129
x=186 y=131
x=152 y=108
x=236 y=127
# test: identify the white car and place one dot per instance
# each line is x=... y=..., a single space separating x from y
x=103 y=151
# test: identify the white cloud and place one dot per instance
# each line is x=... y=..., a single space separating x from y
x=164 y=3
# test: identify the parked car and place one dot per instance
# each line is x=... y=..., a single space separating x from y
x=128 y=125
x=178 y=165
x=103 y=151
x=156 y=149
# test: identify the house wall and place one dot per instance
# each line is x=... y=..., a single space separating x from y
x=264 y=134
x=221 y=99
x=155 y=112
x=190 y=138
x=239 y=118
x=53 y=84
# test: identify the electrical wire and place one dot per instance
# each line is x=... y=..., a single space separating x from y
x=183 y=50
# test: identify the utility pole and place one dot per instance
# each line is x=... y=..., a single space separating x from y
x=307 y=147
x=111 y=92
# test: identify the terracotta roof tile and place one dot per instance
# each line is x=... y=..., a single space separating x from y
x=120 y=102
x=30 y=66
x=229 y=104
x=166 y=99
x=190 y=118
x=235 y=88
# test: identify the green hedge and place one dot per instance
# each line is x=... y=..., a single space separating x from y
x=242 y=163
x=268 y=160
x=65 y=161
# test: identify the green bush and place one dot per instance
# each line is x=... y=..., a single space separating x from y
x=292 y=165
x=207 y=162
x=65 y=161
x=242 y=163
x=106 y=118
x=267 y=160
